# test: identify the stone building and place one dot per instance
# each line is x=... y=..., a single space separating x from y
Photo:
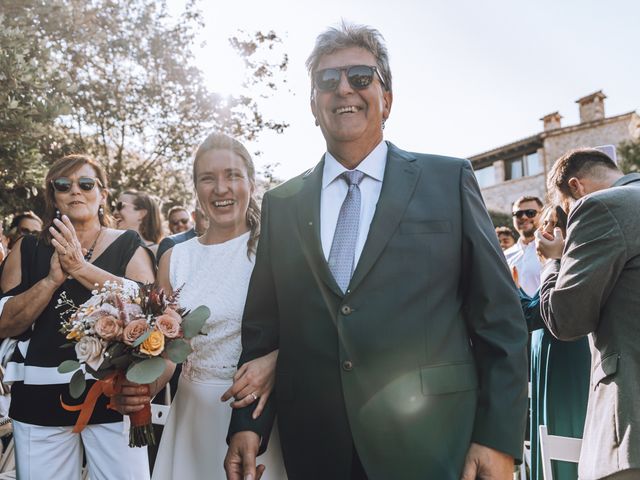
x=519 y=168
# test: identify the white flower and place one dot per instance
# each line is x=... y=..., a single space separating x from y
x=90 y=350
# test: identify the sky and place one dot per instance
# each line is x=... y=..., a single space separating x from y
x=468 y=75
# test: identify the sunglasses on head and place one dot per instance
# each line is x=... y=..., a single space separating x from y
x=358 y=76
x=529 y=213
x=64 y=184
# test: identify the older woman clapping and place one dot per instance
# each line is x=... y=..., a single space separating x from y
x=75 y=252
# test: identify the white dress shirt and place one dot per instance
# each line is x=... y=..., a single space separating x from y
x=526 y=261
x=334 y=191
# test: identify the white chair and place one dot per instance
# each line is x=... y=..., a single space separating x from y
x=554 y=447
x=159 y=413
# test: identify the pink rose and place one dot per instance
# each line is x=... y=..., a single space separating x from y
x=90 y=350
x=134 y=330
x=168 y=325
x=173 y=314
x=108 y=328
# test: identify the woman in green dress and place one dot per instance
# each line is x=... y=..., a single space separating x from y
x=559 y=376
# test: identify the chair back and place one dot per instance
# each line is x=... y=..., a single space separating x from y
x=555 y=447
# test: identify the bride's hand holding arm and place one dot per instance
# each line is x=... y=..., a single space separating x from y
x=253 y=381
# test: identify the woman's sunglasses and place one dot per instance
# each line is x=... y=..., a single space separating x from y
x=358 y=76
x=120 y=205
x=64 y=184
x=529 y=213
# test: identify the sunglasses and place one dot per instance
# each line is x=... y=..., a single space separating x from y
x=27 y=231
x=64 y=184
x=120 y=205
x=529 y=213
x=183 y=221
x=358 y=76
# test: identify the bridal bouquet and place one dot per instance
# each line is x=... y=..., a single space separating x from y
x=125 y=331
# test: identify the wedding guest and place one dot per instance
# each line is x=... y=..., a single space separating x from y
x=179 y=220
x=559 y=374
x=522 y=257
x=200 y=225
x=213 y=269
x=24 y=223
x=591 y=286
x=402 y=345
x=76 y=251
x=506 y=238
x=140 y=212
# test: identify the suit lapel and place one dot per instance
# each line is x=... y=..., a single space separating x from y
x=400 y=179
x=309 y=226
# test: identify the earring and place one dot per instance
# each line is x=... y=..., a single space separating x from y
x=317 y=123
x=58 y=216
x=100 y=211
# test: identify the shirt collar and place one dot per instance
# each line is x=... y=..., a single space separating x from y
x=372 y=166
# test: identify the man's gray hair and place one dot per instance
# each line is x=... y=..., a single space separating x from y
x=348 y=35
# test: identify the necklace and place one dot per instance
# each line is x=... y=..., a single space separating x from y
x=89 y=254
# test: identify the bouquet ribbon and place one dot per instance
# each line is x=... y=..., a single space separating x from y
x=141 y=431
x=109 y=386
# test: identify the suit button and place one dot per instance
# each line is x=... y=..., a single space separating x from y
x=346 y=310
x=347 y=365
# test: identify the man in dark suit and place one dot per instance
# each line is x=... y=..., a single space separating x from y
x=591 y=285
x=402 y=345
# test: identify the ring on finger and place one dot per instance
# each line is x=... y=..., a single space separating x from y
x=254 y=396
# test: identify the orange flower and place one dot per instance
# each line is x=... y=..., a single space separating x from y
x=154 y=344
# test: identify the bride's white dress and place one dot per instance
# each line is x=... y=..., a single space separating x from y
x=193 y=444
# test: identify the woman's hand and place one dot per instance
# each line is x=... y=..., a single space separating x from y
x=56 y=274
x=132 y=398
x=253 y=381
x=67 y=245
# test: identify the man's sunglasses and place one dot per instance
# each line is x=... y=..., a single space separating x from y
x=183 y=221
x=64 y=184
x=529 y=213
x=358 y=76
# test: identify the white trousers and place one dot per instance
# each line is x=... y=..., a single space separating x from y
x=44 y=453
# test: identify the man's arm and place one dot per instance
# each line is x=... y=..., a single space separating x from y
x=496 y=326
x=260 y=332
x=574 y=289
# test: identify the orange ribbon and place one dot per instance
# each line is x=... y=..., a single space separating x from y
x=109 y=386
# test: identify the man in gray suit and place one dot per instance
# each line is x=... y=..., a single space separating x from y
x=402 y=344
x=591 y=285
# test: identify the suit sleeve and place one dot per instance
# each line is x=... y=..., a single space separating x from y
x=574 y=289
x=260 y=332
x=496 y=325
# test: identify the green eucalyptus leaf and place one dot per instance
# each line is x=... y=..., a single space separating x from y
x=77 y=384
x=193 y=323
x=68 y=366
x=178 y=350
x=142 y=338
x=146 y=371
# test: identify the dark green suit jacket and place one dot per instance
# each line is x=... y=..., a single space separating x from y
x=424 y=354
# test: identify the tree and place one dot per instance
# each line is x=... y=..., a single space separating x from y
x=136 y=101
x=629 y=152
x=31 y=98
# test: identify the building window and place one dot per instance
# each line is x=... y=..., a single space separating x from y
x=486 y=176
x=524 y=166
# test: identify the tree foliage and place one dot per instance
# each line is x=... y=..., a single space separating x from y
x=629 y=152
x=115 y=79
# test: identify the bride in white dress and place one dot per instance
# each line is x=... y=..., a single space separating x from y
x=213 y=270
